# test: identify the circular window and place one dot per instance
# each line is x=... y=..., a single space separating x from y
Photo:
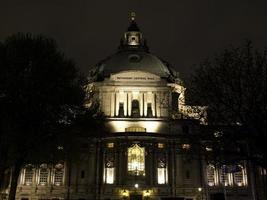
x=134 y=58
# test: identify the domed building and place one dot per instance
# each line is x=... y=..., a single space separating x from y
x=145 y=153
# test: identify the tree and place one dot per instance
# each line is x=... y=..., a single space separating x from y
x=233 y=84
x=41 y=93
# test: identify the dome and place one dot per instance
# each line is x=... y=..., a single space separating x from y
x=132 y=54
x=133 y=60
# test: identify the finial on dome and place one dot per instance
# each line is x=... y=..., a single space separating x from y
x=132 y=16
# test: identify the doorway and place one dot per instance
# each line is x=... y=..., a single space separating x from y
x=136 y=197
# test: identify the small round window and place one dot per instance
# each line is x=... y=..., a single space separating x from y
x=134 y=58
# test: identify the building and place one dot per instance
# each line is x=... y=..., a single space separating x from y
x=145 y=154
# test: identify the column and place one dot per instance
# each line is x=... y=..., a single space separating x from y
x=129 y=104
x=117 y=95
x=141 y=100
x=112 y=104
x=145 y=104
x=153 y=105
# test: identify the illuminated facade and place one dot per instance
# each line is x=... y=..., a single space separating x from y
x=143 y=155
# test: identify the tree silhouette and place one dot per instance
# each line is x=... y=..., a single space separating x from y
x=40 y=94
x=233 y=84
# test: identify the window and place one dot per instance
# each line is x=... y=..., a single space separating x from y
x=149 y=110
x=109 y=172
x=135 y=108
x=160 y=145
x=121 y=110
x=225 y=178
x=110 y=145
x=211 y=175
x=186 y=146
x=135 y=129
x=240 y=176
x=187 y=174
x=43 y=174
x=59 y=174
x=162 y=172
x=28 y=175
x=136 y=160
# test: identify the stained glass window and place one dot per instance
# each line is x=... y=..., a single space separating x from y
x=136 y=160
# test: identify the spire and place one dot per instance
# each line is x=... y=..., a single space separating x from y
x=132 y=16
x=133 y=25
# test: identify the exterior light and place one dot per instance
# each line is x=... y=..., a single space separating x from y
x=208 y=149
x=199 y=189
x=186 y=146
x=136 y=185
x=146 y=193
x=125 y=193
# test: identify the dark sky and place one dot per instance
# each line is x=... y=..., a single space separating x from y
x=183 y=32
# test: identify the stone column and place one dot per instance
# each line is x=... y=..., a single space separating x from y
x=153 y=105
x=112 y=104
x=117 y=103
x=145 y=104
x=125 y=103
x=141 y=100
x=129 y=104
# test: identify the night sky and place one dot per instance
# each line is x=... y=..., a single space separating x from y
x=183 y=32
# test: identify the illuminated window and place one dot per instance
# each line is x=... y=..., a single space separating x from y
x=225 y=178
x=162 y=173
x=110 y=145
x=109 y=171
x=43 y=174
x=136 y=160
x=28 y=175
x=240 y=176
x=211 y=175
x=186 y=146
x=59 y=174
x=135 y=129
x=160 y=145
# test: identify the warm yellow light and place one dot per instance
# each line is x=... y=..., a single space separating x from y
x=146 y=193
x=136 y=185
x=199 y=189
x=186 y=146
x=160 y=145
x=110 y=145
x=125 y=193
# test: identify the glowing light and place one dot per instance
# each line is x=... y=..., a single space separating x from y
x=199 y=189
x=125 y=193
x=146 y=193
x=186 y=146
x=136 y=185
x=162 y=175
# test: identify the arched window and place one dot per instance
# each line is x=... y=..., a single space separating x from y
x=162 y=172
x=59 y=174
x=43 y=174
x=225 y=177
x=135 y=108
x=240 y=176
x=28 y=174
x=136 y=160
x=211 y=175
x=109 y=170
x=149 y=110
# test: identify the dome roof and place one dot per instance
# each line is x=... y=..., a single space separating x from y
x=133 y=60
x=133 y=54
